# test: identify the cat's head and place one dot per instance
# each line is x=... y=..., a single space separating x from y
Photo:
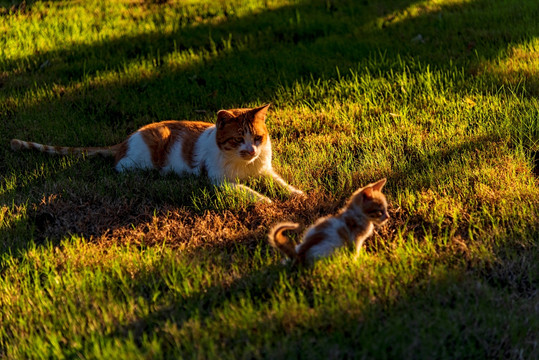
x=371 y=202
x=242 y=132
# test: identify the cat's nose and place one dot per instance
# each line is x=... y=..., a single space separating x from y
x=250 y=150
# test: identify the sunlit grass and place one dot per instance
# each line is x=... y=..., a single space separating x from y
x=53 y=26
x=518 y=67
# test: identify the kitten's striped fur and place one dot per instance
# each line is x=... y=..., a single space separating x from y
x=237 y=147
x=351 y=226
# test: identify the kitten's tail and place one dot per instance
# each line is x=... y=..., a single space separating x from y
x=64 y=150
x=281 y=242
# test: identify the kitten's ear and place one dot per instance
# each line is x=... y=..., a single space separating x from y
x=379 y=184
x=260 y=112
x=223 y=116
x=367 y=193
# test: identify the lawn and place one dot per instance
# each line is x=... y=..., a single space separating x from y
x=440 y=97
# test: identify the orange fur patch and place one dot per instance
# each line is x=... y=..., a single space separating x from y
x=235 y=123
x=121 y=150
x=316 y=238
x=282 y=242
x=161 y=136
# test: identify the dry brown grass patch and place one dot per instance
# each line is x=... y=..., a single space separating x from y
x=106 y=221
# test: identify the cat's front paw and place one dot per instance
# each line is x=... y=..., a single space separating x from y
x=264 y=199
x=295 y=193
x=257 y=197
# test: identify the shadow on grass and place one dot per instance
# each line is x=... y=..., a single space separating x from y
x=258 y=285
x=142 y=208
x=441 y=313
x=287 y=44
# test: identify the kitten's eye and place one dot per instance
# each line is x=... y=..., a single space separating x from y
x=238 y=139
x=377 y=213
x=258 y=138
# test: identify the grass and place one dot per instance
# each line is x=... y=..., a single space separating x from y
x=438 y=96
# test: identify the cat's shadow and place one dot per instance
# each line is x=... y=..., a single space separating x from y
x=148 y=208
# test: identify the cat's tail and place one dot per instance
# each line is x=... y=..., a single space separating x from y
x=281 y=242
x=64 y=150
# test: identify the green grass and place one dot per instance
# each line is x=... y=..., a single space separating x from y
x=94 y=264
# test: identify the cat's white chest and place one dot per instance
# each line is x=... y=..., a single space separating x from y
x=221 y=167
x=233 y=169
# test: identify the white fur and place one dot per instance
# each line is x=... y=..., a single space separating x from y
x=175 y=161
x=332 y=240
x=280 y=181
x=137 y=156
x=222 y=167
x=248 y=144
x=327 y=247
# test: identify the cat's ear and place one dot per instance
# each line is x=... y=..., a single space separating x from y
x=260 y=112
x=222 y=117
x=379 y=184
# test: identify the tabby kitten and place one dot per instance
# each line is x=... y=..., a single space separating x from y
x=237 y=147
x=350 y=227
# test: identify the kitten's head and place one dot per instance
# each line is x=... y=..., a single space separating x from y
x=242 y=132
x=371 y=202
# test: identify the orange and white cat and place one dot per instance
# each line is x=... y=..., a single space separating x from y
x=351 y=226
x=236 y=147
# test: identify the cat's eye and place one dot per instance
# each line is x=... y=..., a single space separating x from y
x=258 y=138
x=377 y=213
x=238 y=139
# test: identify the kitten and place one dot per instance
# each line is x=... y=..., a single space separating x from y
x=236 y=147
x=350 y=227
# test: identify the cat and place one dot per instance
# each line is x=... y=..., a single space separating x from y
x=349 y=227
x=236 y=147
